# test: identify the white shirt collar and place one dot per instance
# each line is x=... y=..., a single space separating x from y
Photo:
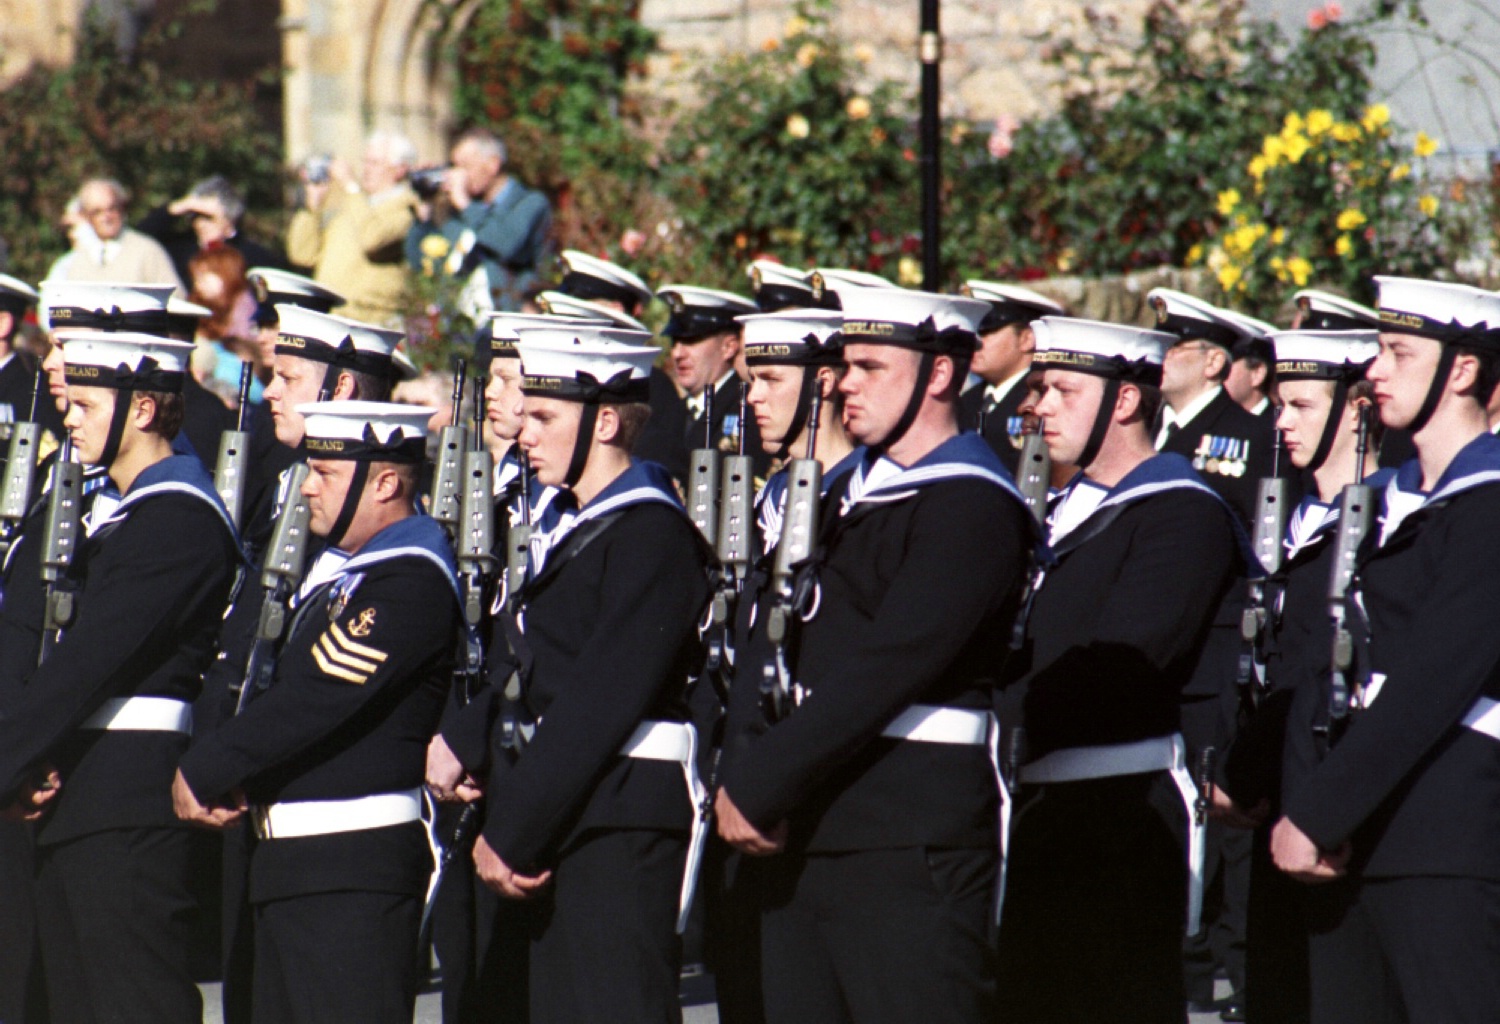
x=996 y=392
x=1261 y=406
x=1186 y=416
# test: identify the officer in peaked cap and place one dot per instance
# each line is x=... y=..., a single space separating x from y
x=18 y=369
x=706 y=349
x=777 y=286
x=588 y=277
x=871 y=773
x=992 y=406
x=1097 y=886
x=1320 y=374
x=1405 y=801
x=826 y=282
x=109 y=709
x=594 y=785
x=326 y=762
x=1252 y=372
x=273 y=285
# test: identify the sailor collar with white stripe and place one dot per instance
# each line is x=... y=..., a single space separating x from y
x=963 y=456
x=417 y=536
x=1315 y=519
x=1476 y=465
x=176 y=474
x=642 y=483
x=1160 y=474
x=771 y=501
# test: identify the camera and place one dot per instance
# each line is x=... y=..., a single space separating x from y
x=428 y=181
x=315 y=169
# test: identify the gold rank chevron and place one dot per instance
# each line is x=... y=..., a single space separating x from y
x=345 y=659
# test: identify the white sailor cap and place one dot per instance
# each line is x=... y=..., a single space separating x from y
x=1255 y=336
x=586 y=364
x=699 y=313
x=1456 y=314
x=1106 y=350
x=16 y=295
x=1189 y=318
x=82 y=305
x=1324 y=354
x=778 y=286
x=125 y=361
x=794 y=337
x=371 y=431
x=183 y=317
x=273 y=286
x=1010 y=304
x=923 y=321
x=828 y=283
x=336 y=340
x=501 y=333
x=1325 y=311
x=574 y=308
x=589 y=277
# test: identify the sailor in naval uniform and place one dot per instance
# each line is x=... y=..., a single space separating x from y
x=109 y=711
x=1320 y=374
x=1006 y=341
x=18 y=368
x=593 y=785
x=873 y=772
x=1097 y=890
x=1404 y=801
x=776 y=286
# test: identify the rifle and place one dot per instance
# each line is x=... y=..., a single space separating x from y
x=1271 y=501
x=1356 y=509
x=799 y=530
x=59 y=543
x=474 y=545
x=280 y=575
x=453 y=442
x=703 y=477
x=736 y=507
x=1034 y=474
x=234 y=449
x=20 y=472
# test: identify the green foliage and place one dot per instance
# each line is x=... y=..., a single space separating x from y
x=126 y=119
x=786 y=157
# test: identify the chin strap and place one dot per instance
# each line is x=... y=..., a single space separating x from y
x=799 y=417
x=351 y=503
x=1101 y=422
x=913 y=405
x=581 y=445
x=1331 y=425
x=116 y=428
x=1435 y=389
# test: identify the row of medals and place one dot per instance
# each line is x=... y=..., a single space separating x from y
x=1222 y=455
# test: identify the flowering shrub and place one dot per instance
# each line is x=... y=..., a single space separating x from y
x=1326 y=200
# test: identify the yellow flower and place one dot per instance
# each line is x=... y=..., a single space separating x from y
x=435 y=246
x=1194 y=255
x=1278 y=236
x=858 y=108
x=1229 y=275
x=909 y=271
x=798 y=127
x=771 y=45
x=1244 y=239
x=1065 y=260
x=1350 y=219
x=1376 y=116
x=807 y=53
x=1318 y=122
x=1428 y=205
x=1257 y=167
x=1277 y=263
x=1296 y=146
x=1300 y=269
x=1291 y=124
x=795 y=26
x=1228 y=200
x=1426 y=145
x=863 y=53
x=1400 y=171
x=1346 y=131
x=1273 y=150
x=1216 y=259
x=1343 y=246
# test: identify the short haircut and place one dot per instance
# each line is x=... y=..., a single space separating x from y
x=633 y=418
x=229 y=198
x=1489 y=371
x=1150 y=403
x=484 y=142
x=368 y=387
x=170 y=410
x=120 y=191
x=394 y=147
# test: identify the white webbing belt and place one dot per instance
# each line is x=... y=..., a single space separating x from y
x=928 y=723
x=142 y=714
x=1160 y=753
x=677 y=741
x=295 y=819
x=1484 y=717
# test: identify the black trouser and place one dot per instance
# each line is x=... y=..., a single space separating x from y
x=1276 y=980
x=1095 y=903
x=729 y=890
x=604 y=942
x=237 y=925
x=879 y=936
x=21 y=996
x=1417 y=950
x=114 y=915
x=331 y=958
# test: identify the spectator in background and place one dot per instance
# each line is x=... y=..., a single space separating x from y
x=207 y=217
x=351 y=235
x=499 y=233
x=105 y=250
x=227 y=338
